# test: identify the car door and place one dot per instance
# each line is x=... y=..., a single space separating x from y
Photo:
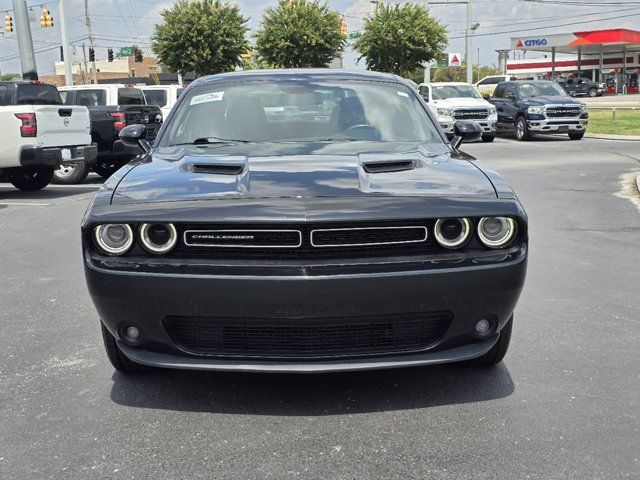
x=582 y=87
x=509 y=105
x=499 y=100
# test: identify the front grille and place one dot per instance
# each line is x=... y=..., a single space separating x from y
x=304 y=338
x=471 y=114
x=556 y=112
x=304 y=241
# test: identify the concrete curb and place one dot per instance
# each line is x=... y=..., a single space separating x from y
x=606 y=136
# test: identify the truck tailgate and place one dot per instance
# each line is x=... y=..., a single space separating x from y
x=62 y=125
x=145 y=115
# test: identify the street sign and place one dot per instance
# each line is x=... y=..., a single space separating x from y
x=126 y=51
x=455 y=59
x=442 y=61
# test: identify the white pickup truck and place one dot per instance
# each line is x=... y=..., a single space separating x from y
x=453 y=101
x=163 y=96
x=39 y=134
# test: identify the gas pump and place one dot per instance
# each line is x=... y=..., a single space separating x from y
x=632 y=83
x=612 y=84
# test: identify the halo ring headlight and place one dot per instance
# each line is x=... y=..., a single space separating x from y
x=452 y=232
x=113 y=238
x=496 y=232
x=158 y=238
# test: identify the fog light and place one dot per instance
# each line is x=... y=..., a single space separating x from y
x=483 y=326
x=132 y=333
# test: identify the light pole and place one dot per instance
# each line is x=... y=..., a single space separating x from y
x=66 y=51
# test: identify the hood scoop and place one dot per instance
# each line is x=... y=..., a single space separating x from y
x=217 y=168
x=388 y=166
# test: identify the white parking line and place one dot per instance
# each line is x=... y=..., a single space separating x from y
x=25 y=203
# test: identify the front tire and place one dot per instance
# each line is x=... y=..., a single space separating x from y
x=105 y=168
x=499 y=350
x=522 y=130
x=71 y=174
x=488 y=138
x=119 y=360
x=593 y=92
x=31 y=179
x=576 y=136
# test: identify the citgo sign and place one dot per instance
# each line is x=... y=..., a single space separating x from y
x=532 y=42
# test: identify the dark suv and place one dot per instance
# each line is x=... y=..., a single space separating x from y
x=582 y=86
x=538 y=106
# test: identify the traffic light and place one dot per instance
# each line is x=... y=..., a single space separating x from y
x=138 y=55
x=8 y=23
x=92 y=55
x=46 y=20
x=343 y=28
x=110 y=55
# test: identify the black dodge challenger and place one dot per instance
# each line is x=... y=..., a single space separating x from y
x=303 y=221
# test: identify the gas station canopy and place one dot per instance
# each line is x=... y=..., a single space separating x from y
x=587 y=43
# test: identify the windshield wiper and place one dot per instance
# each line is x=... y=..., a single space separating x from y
x=209 y=141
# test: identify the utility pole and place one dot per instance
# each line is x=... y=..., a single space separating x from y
x=427 y=68
x=90 y=35
x=468 y=54
x=66 y=51
x=25 y=41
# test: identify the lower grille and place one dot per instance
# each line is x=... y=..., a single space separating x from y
x=305 y=338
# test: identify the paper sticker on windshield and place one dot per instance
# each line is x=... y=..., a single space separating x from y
x=207 y=97
x=403 y=94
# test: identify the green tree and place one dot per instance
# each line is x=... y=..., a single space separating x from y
x=459 y=74
x=201 y=36
x=400 y=38
x=298 y=34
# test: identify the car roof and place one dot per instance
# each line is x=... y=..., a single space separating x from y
x=98 y=85
x=299 y=73
x=447 y=83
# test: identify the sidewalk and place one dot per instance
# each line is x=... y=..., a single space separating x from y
x=606 y=136
x=612 y=100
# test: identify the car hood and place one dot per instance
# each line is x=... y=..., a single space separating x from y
x=462 y=102
x=300 y=170
x=551 y=100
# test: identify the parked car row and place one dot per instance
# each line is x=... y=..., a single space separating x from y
x=61 y=134
x=523 y=107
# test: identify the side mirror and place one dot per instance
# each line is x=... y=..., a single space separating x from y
x=510 y=95
x=425 y=98
x=486 y=96
x=465 y=132
x=135 y=136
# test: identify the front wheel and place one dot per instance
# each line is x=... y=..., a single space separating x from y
x=30 y=179
x=576 y=136
x=593 y=92
x=522 y=130
x=118 y=359
x=488 y=138
x=499 y=350
x=71 y=174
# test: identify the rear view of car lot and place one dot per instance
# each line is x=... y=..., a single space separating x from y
x=562 y=405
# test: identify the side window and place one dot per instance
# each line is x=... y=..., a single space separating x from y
x=489 y=81
x=4 y=95
x=424 y=91
x=90 y=98
x=499 y=92
x=510 y=90
x=130 y=96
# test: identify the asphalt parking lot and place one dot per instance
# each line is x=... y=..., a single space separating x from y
x=564 y=404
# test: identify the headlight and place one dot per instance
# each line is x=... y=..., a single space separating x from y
x=452 y=232
x=536 y=110
x=158 y=237
x=493 y=111
x=113 y=238
x=583 y=108
x=444 y=112
x=496 y=232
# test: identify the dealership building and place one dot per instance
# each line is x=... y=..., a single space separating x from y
x=606 y=56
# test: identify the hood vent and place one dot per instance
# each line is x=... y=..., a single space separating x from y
x=391 y=166
x=217 y=168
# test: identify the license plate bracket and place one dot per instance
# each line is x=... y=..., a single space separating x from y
x=66 y=154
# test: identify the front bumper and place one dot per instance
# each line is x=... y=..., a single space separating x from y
x=488 y=126
x=53 y=157
x=558 y=125
x=469 y=288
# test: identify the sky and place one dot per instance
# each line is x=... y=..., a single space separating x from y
x=118 y=23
